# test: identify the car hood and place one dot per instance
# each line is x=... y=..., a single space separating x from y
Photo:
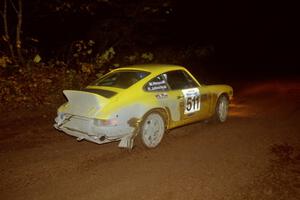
x=84 y=103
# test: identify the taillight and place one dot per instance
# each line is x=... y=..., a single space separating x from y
x=105 y=122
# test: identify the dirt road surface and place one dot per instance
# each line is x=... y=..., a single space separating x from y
x=254 y=155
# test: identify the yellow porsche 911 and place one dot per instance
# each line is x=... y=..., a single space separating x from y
x=140 y=100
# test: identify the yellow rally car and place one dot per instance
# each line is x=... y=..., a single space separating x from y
x=144 y=100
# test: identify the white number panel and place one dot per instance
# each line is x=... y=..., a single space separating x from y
x=191 y=100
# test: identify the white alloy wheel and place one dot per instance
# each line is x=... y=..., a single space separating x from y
x=152 y=130
x=222 y=109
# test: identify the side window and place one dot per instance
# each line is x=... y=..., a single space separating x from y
x=191 y=81
x=156 y=84
x=179 y=80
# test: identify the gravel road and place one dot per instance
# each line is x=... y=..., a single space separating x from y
x=254 y=155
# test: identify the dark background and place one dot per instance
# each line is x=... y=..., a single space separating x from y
x=255 y=38
x=247 y=38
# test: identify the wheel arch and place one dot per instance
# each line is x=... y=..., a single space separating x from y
x=223 y=94
x=163 y=111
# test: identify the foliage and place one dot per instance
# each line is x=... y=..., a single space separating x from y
x=34 y=73
x=105 y=57
x=41 y=83
x=4 y=61
x=147 y=56
x=82 y=50
x=32 y=87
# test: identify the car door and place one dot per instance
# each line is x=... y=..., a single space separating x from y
x=187 y=96
x=158 y=93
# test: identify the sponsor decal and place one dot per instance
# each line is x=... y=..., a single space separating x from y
x=162 y=96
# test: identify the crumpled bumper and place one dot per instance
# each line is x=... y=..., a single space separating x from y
x=84 y=129
x=80 y=135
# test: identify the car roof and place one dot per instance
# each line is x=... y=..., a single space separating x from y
x=153 y=68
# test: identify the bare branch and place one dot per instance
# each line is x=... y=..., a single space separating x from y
x=19 y=32
x=4 y=9
x=13 y=5
x=6 y=33
x=5 y=21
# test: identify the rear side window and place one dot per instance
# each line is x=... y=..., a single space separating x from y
x=157 y=84
x=179 y=80
x=121 y=79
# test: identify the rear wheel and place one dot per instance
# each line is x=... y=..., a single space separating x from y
x=152 y=129
x=221 y=111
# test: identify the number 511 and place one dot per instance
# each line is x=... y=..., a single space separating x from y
x=192 y=103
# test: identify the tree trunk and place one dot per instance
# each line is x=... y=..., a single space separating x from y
x=18 y=34
x=6 y=33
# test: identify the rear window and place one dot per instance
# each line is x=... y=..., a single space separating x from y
x=121 y=79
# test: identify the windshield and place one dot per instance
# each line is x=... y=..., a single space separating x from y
x=121 y=79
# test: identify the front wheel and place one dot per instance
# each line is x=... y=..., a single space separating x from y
x=152 y=129
x=221 y=111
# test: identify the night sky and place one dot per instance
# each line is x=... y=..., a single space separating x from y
x=264 y=36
